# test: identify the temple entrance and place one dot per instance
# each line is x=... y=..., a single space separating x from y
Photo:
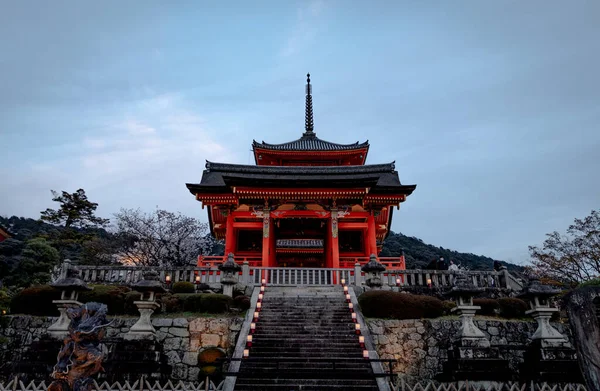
x=300 y=242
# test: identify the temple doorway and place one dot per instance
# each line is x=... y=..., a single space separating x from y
x=300 y=242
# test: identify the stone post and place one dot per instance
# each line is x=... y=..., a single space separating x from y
x=357 y=274
x=70 y=284
x=230 y=271
x=245 y=273
x=148 y=287
x=538 y=296
x=468 y=335
x=373 y=269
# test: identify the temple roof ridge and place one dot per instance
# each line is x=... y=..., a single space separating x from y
x=310 y=143
x=242 y=168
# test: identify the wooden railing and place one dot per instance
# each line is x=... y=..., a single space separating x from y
x=391 y=263
x=127 y=275
x=216 y=260
x=251 y=275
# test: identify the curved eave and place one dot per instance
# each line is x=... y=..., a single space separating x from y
x=310 y=144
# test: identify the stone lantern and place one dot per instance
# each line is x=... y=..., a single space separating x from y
x=538 y=296
x=70 y=284
x=463 y=292
x=373 y=269
x=230 y=271
x=149 y=286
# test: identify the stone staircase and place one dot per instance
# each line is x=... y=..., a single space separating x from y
x=305 y=340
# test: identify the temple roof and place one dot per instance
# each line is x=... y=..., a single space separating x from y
x=309 y=140
x=310 y=143
x=221 y=177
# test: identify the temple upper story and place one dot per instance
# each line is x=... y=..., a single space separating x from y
x=309 y=150
x=307 y=202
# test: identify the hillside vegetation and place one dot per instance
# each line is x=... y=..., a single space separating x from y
x=418 y=254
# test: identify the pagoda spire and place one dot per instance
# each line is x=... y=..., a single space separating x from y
x=308 y=120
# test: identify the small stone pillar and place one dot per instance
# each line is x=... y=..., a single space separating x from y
x=549 y=357
x=148 y=287
x=245 y=273
x=70 y=284
x=373 y=269
x=470 y=348
x=230 y=271
x=463 y=291
x=357 y=274
x=538 y=296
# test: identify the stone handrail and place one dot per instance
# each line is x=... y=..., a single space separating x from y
x=127 y=275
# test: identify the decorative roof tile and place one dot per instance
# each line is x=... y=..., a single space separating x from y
x=310 y=143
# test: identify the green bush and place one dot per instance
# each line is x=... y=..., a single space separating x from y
x=4 y=300
x=488 y=306
x=215 y=303
x=36 y=300
x=395 y=305
x=241 y=302
x=129 y=307
x=511 y=307
x=448 y=306
x=183 y=287
x=172 y=303
x=191 y=302
x=111 y=295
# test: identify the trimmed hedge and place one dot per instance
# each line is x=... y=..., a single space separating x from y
x=395 y=305
x=183 y=287
x=488 y=306
x=241 y=302
x=36 y=300
x=216 y=303
x=511 y=307
x=172 y=303
x=448 y=306
x=111 y=295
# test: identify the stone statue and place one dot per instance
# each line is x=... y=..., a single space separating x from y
x=81 y=356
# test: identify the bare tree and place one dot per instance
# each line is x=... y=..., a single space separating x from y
x=571 y=258
x=161 y=238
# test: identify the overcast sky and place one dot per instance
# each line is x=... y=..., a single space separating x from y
x=491 y=107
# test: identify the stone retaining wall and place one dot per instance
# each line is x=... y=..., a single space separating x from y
x=181 y=338
x=419 y=347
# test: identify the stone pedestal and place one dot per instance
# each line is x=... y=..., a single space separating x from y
x=547 y=335
x=60 y=328
x=143 y=328
x=469 y=335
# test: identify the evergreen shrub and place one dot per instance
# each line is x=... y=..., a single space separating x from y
x=216 y=303
x=488 y=306
x=36 y=300
x=448 y=306
x=396 y=305
x=191 y=302
x=111 y=295
x=183 y=287
x=511 y=307
x=171 y=303
x=241 y=302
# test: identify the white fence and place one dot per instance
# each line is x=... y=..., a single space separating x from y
x=144 y=385
x=139 y=385
x=127 y=275
x=486 y=386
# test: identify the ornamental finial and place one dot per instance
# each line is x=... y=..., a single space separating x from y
x=308 y=120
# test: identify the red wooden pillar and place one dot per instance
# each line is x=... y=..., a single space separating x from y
x=272 y=253
x=328 y=247
x=230 y=236
x=266 y=244
x=335 y=245
x=372 y=239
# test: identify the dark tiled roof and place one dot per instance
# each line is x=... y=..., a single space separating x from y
x=310 y=142
x=220 y=177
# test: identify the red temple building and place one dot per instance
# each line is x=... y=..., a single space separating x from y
x=306 y=203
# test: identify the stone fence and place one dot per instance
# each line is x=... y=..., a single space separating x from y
x=435 y=279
